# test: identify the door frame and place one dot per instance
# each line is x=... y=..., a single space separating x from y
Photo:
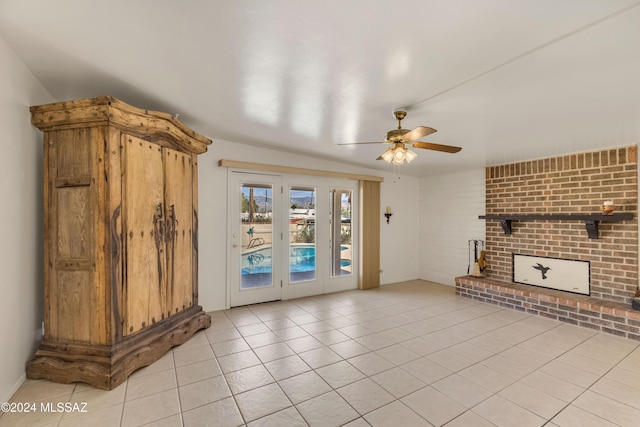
x=323 y=282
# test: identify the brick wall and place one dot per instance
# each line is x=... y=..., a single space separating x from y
x=577 y=183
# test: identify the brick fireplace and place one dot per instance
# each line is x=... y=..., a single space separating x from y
x=573 y=184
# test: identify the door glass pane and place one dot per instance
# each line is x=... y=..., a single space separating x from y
x=302 y=234
x=340 y=237
x=257 y=235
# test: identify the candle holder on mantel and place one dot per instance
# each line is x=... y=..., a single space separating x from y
x=608 y=207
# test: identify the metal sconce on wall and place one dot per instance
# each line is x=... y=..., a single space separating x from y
x=388 y=214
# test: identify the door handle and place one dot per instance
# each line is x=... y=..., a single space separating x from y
x=235 y=245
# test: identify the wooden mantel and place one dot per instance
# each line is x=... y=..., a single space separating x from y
x=591 y=221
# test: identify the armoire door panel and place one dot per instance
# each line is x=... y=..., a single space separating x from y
x=73 y=153
x=71 y=243
x=76 y=298
x=75 y=228
x=179 y=202
x=144 y=229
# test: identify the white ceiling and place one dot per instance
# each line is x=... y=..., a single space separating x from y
x=506 y=80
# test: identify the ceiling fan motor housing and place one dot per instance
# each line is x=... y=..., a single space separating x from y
x=396 y=135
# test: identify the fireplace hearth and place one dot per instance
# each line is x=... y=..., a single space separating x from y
x=580 y=310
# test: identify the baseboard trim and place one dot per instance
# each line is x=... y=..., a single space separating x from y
x=15 y=388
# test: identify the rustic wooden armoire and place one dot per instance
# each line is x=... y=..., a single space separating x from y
x=120 y=236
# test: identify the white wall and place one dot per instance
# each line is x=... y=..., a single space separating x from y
x=449 y=209
x=399 y=239
x=398 y=265
x=21 y=253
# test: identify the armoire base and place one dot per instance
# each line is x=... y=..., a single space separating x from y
x=107 y=367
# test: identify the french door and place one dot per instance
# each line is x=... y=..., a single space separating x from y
x=290 y=236
x=255 y=211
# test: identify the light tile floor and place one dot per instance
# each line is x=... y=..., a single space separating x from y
x=408 y=354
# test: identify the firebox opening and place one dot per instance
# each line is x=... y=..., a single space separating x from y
x=568 y=275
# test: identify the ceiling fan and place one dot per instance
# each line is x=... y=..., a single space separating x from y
x=398 y=153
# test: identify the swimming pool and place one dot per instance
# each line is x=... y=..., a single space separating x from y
x=301 y=259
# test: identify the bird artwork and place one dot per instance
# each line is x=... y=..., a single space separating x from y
x=542 y=269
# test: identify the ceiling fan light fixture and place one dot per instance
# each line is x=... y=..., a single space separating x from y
x=398 y=154
x=410 y=155
x=387 y=156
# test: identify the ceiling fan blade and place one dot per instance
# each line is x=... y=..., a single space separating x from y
x=418 y=133
x=379 y=158
x=437 y=147
x=357 y=143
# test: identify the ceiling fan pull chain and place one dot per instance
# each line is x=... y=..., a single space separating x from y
x=396 y=176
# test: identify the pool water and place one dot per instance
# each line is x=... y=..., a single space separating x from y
x=301 y=259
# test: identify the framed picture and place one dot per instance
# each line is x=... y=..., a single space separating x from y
x=568 y=275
